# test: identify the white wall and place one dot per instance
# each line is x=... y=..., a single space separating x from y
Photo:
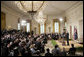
x=74 y=15
x=81 y=30
x=11 y=17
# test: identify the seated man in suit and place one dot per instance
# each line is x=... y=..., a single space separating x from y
x=72 y=50
x=56 y=51
x=48 y=53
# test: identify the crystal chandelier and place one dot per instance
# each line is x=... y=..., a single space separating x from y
x=30 y=7
x=40 y=18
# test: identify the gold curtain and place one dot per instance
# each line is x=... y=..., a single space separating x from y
x=39 y=28
x=45 y=27
x=3 y=21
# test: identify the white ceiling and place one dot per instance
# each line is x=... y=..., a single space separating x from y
x=57 y=7
x=53 y=7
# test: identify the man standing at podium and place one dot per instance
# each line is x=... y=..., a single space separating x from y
x=67 y=36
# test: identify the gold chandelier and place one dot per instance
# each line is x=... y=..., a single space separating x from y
x=31 y=7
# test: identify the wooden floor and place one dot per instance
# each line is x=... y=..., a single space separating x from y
x=67 y=47
x=50 y=45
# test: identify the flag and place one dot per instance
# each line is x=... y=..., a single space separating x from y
x=75 y=33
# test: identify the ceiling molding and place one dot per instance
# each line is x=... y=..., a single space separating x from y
x=8 y=7
x=56 y=8
x=73 y=6
x=8 y=10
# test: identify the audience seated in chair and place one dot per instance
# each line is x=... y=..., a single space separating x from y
x=72 y=50
x=48 y=53
x=15 y=43
x=56 y=51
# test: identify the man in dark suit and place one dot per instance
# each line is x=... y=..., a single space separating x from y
x=48 y=53
x=67 y=36
x=72 y=50
x=4 y=51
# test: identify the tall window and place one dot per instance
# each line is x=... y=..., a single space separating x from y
x=28 y=27
x=56 y=27
x=42 y=28
x=18 y=26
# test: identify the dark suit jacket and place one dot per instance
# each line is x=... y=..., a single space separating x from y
x=48 y=54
